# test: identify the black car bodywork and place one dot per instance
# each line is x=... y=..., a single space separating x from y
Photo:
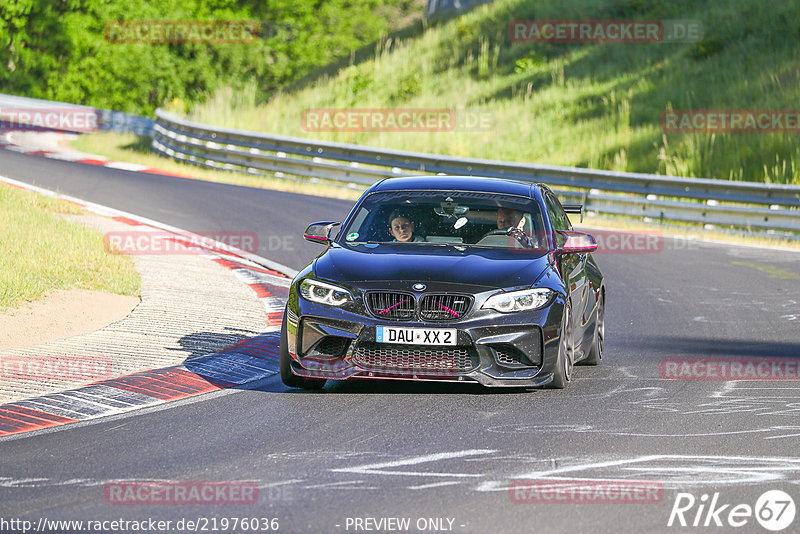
x=357 y=279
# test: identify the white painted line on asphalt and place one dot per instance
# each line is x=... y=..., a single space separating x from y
x=580 y=467
x=66 y=157
x=435 y=485
x=378 y=469
x=727 y=387
x=336 y=485
x=125 y=166
x=22 y=482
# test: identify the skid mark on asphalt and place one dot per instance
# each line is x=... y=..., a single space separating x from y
x=754 y=408
x=737 y=398
x=758 y=399
x=673 y=471
x=497 y=472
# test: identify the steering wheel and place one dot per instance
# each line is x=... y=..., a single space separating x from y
x=495 y=232
x=521 y=237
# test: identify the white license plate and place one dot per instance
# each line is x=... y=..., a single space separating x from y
x=415 y=336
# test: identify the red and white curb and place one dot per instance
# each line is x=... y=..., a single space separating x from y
x=7 y=143
x=250 y=360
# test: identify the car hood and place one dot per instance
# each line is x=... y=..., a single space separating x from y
x=426 y=263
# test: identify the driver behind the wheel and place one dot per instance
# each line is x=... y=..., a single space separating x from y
x=402 y=227
x=508 y=218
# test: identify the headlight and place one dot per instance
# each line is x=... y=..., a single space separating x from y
x=524 y=300
x=324 y=293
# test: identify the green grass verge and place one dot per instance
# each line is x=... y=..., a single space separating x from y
x=686 y=231
x=41 y=250
x=586 y=105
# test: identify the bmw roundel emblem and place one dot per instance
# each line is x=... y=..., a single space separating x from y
x=419 y=287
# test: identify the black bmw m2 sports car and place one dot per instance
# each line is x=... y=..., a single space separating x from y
x=446 y=278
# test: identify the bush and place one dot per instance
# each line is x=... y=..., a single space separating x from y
x=57 y=50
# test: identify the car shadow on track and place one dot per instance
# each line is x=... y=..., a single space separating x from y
x=719 y=348
x=264 y=347
x=204 y=343
x=389 y=387
x=404 y=387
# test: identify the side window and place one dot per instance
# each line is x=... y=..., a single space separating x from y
x=558 y=218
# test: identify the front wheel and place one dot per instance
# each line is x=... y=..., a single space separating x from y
x=566 y=353
x=284 y=360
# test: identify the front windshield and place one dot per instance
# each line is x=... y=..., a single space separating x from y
x=471 y=219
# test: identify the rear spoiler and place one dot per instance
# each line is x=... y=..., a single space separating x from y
x=573 y=208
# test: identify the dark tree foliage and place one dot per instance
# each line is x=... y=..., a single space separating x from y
x=57 y=49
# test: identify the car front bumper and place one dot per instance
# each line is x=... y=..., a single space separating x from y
x=493 y=349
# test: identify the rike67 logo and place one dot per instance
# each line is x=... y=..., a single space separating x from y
x=774 y=510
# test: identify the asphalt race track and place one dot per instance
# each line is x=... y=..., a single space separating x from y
x=428 y=451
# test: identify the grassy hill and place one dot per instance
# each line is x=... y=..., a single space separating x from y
x=588 y=105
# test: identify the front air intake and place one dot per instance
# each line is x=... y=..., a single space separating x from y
x=391 y=305
x=444 y=307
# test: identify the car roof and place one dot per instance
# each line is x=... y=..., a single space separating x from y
x=456 y=183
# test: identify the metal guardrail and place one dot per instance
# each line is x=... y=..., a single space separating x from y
x=446 y=8
x=106 y=119
x=749 y=205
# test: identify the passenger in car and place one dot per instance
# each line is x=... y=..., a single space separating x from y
x=402 y=227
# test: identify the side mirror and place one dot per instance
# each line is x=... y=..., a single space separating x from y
x=320 y=232
x=575 y=242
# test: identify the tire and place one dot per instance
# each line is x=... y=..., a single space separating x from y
x=596 y=352
x=289 y=378
x=566 y=353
